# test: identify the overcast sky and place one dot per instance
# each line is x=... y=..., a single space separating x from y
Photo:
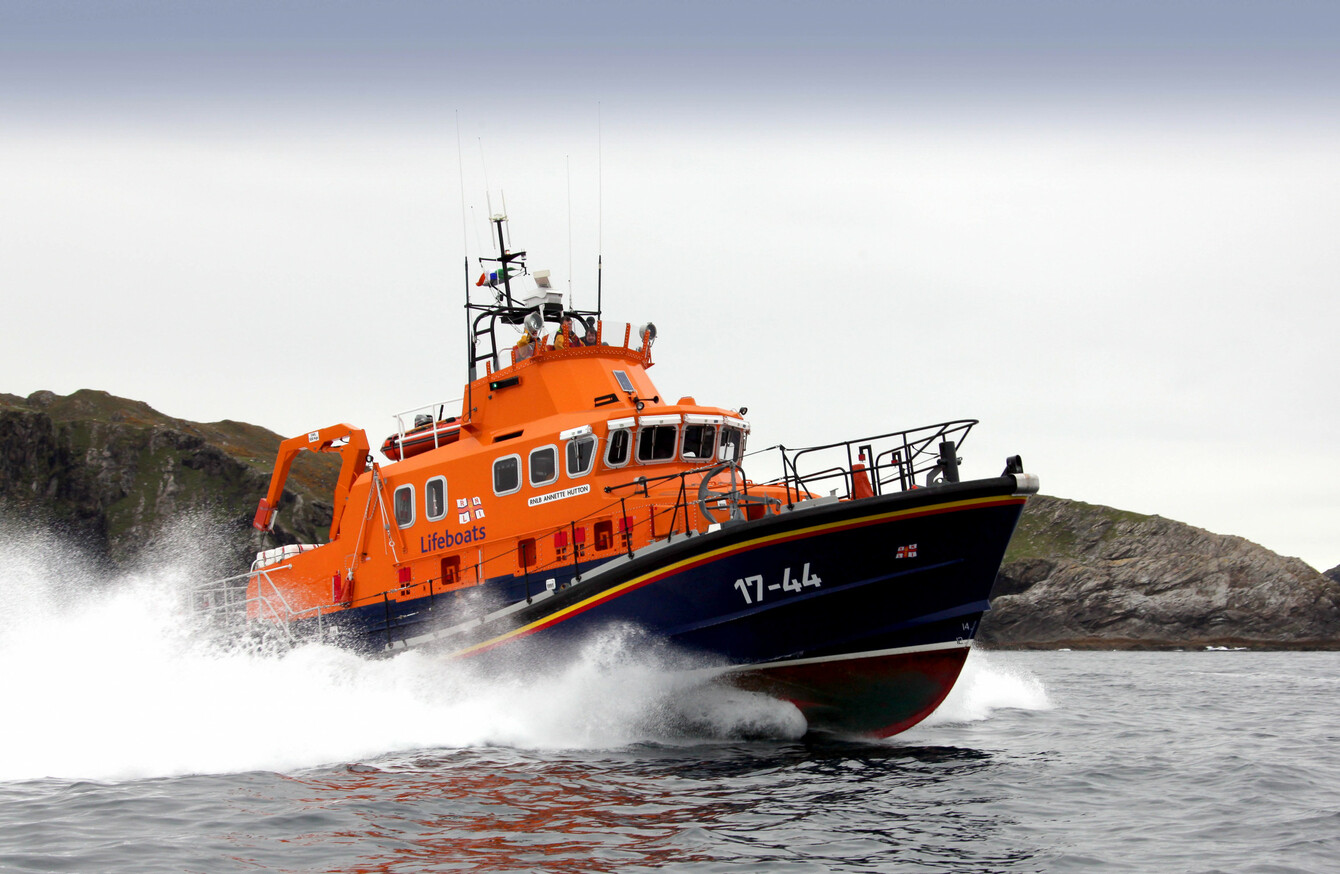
x=1107 y=230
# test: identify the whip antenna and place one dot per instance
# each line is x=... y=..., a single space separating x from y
x=567 y=165
x=465 y=252
x=460 y=166
x=478 y=240
x=600 y=184
x=488 y=195
x=600 y=209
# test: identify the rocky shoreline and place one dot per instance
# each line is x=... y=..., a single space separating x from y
x=1082 y=576
x=117 y=477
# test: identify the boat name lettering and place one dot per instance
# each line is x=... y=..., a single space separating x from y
x=755 y=590
x=558 y=495
x=447 y=539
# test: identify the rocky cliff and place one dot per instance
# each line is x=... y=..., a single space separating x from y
x=114 y=476
x=1078 y=575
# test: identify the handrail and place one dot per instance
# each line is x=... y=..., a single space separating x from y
x=438 y=411
x=893 y=460
x=896 y=456
x=265 y=574
x=234 y=607
x=508 y=554
x=913 y=453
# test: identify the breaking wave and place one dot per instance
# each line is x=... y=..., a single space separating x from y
x=107 y=678
x=988 y=684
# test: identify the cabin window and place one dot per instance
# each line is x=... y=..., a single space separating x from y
x=581 y=455
x=616 y=452
x=507 y=475
x=700 y=442
x=657 y=443
x=732 y=444
x=435 y=498
x=403 y=502
x=543 y=465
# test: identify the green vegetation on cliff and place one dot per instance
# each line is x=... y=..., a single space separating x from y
x=113 y=473
x=1040 y=537
x=1083 y=575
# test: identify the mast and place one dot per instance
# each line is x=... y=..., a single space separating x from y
x=469 y=337
x=505 y=258
x=503 y=305
x=483 y=318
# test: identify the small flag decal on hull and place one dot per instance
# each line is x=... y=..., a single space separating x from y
x=908 y=551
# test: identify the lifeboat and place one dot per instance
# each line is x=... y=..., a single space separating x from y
x=424 y=436
x=569 y=495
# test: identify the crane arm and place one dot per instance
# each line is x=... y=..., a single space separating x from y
x=353 y=461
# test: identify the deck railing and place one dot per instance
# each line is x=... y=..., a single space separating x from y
x=559 y=556
x=224 y=604
x=893 y=461
x=439 y=412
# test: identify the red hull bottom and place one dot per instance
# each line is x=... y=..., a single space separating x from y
x=874 y=695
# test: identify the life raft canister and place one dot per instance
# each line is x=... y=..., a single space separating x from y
x=421 y=439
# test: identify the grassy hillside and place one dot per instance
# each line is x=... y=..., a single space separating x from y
x=115 y=472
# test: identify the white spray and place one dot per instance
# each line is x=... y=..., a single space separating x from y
x=108 y=679
x=105 y=679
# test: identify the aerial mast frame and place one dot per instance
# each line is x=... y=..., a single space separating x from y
x=482 y=319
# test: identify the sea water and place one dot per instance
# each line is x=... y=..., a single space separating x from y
x=132 y=742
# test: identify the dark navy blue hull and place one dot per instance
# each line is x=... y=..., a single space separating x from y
x=860 y=612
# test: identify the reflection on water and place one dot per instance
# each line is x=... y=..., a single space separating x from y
x=135 y=748
x=824 y=802
x=1145 y=762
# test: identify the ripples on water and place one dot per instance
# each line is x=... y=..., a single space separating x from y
x=132 y=745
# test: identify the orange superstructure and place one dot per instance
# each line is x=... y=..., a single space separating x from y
x=563 y=453
x=563 y=494
x=542 y=476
